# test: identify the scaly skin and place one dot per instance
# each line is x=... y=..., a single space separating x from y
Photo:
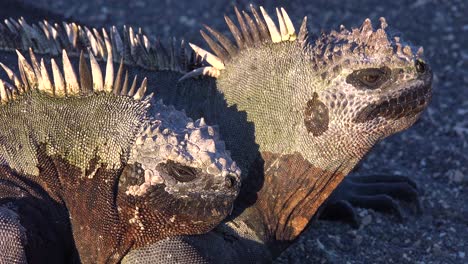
x=297 y=116
x=308 y=113
x=98 y=166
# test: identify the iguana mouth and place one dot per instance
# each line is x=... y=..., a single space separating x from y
x=408 y=103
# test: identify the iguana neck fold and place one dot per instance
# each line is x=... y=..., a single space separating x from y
x=287 y=192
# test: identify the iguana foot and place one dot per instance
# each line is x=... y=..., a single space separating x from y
x=384 y=193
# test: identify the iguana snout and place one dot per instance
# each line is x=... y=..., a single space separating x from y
x=379 y=100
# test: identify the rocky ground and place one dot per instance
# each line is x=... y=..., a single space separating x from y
x=434 y=152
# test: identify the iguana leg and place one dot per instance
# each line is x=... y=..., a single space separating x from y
x=377 y=192
x=33 y=227
x=12 y=237
x=28 y=236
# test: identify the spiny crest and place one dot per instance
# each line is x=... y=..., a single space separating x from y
x=328 y=50
x=251 y=32
x=66 y=83
x=361 y=43
x=134 y=47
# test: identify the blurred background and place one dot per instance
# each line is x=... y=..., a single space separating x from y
x=434 y=152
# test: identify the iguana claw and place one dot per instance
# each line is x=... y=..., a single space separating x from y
x=384 y=193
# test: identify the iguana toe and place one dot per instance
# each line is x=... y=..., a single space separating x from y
x=341 y=210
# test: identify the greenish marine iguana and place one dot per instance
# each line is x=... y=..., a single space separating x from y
x=296 y=122
x=90 y=160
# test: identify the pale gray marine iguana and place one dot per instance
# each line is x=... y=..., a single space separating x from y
x=297 y=115
x=89 y=161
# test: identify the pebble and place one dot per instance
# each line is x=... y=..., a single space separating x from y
x=363 y=212
x=358 y=240
x=406 y=257
x=319 y=244
x=437 y=250
x=456 y=176
x=366 y=220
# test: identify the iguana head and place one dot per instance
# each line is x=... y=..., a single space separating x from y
x=370 y=85
x=182 y=169
x=317 y=106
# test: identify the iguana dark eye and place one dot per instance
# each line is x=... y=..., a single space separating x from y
x=180 y=172
x=370 y=78
x=420 y=66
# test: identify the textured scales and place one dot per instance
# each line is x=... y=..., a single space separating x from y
x=297 y=115
x=317 y=108
x=127 y=171
x=327 y=102
x=129 y=45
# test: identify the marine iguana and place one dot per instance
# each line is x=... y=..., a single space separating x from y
x=274 y=212
x=91 y=160
x=313 y=109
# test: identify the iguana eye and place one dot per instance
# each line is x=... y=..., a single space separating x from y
x=370 y=78
x=180 y=172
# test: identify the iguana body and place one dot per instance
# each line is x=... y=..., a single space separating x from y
x=308 y=113
x=96 y=158
x=280 y=103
